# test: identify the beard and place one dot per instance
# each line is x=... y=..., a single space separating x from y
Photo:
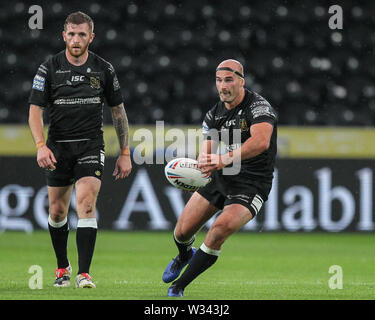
x=77 y=50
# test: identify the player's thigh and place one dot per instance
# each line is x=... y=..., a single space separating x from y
x=87 y=190
x=232 y=218
x=59 y=200
x=196 y=213
x=90 y=159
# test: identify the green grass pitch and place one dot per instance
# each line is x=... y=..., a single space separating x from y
x=129 y=266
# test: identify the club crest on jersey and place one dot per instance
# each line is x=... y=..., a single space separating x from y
x=243 y=125
x=95 y=82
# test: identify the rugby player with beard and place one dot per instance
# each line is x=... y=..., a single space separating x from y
x=71 y=87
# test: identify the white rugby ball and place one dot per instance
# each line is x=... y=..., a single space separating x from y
x=183 y=173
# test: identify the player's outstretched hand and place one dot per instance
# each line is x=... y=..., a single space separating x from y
x=46 y=158
x=208 y=162
x=123 y=167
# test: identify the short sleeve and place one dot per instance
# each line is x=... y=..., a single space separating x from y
x=39 y=94
x=112 y=91
x=261 y=111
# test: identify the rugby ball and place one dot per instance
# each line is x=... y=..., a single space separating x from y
x=183 y=173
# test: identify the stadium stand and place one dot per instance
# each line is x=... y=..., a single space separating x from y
x=165 y=54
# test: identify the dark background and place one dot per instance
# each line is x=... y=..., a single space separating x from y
x=166 y=52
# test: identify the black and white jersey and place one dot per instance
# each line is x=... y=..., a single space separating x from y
x=220 y=124
x=74 y=96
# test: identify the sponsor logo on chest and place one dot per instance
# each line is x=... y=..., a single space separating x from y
x=94 y=81
x=77 y=78
x=233 y=123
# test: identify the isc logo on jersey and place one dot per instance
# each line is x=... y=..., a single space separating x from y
x=183 y=173
x=77 y=78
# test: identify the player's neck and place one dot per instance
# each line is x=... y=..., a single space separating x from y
x=236 y=101
x=77 y=61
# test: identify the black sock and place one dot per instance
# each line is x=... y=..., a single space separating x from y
x=86 y=237
x=184 y=248
x=59 y=237
x=201 y=262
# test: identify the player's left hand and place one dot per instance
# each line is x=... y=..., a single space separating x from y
x=123 y=167
x=210 y=162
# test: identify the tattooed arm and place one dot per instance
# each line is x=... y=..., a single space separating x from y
x=120 y=122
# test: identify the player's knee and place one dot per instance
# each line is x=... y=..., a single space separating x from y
x=57 y=211
x=57 y=216
x=226 y=229
x=85 y=206
x=219 y=233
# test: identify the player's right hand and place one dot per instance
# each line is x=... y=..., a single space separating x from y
x=46 y=158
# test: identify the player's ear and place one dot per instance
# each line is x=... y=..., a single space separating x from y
x=92 y=37
x=64 y=35
x=242 y=82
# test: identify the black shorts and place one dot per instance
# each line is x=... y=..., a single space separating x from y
x=75 y=159
x=224 y=190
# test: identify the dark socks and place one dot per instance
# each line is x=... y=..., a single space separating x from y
x=59 y=237
x=85 y=237
x=184 y=248
x=201 y=262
